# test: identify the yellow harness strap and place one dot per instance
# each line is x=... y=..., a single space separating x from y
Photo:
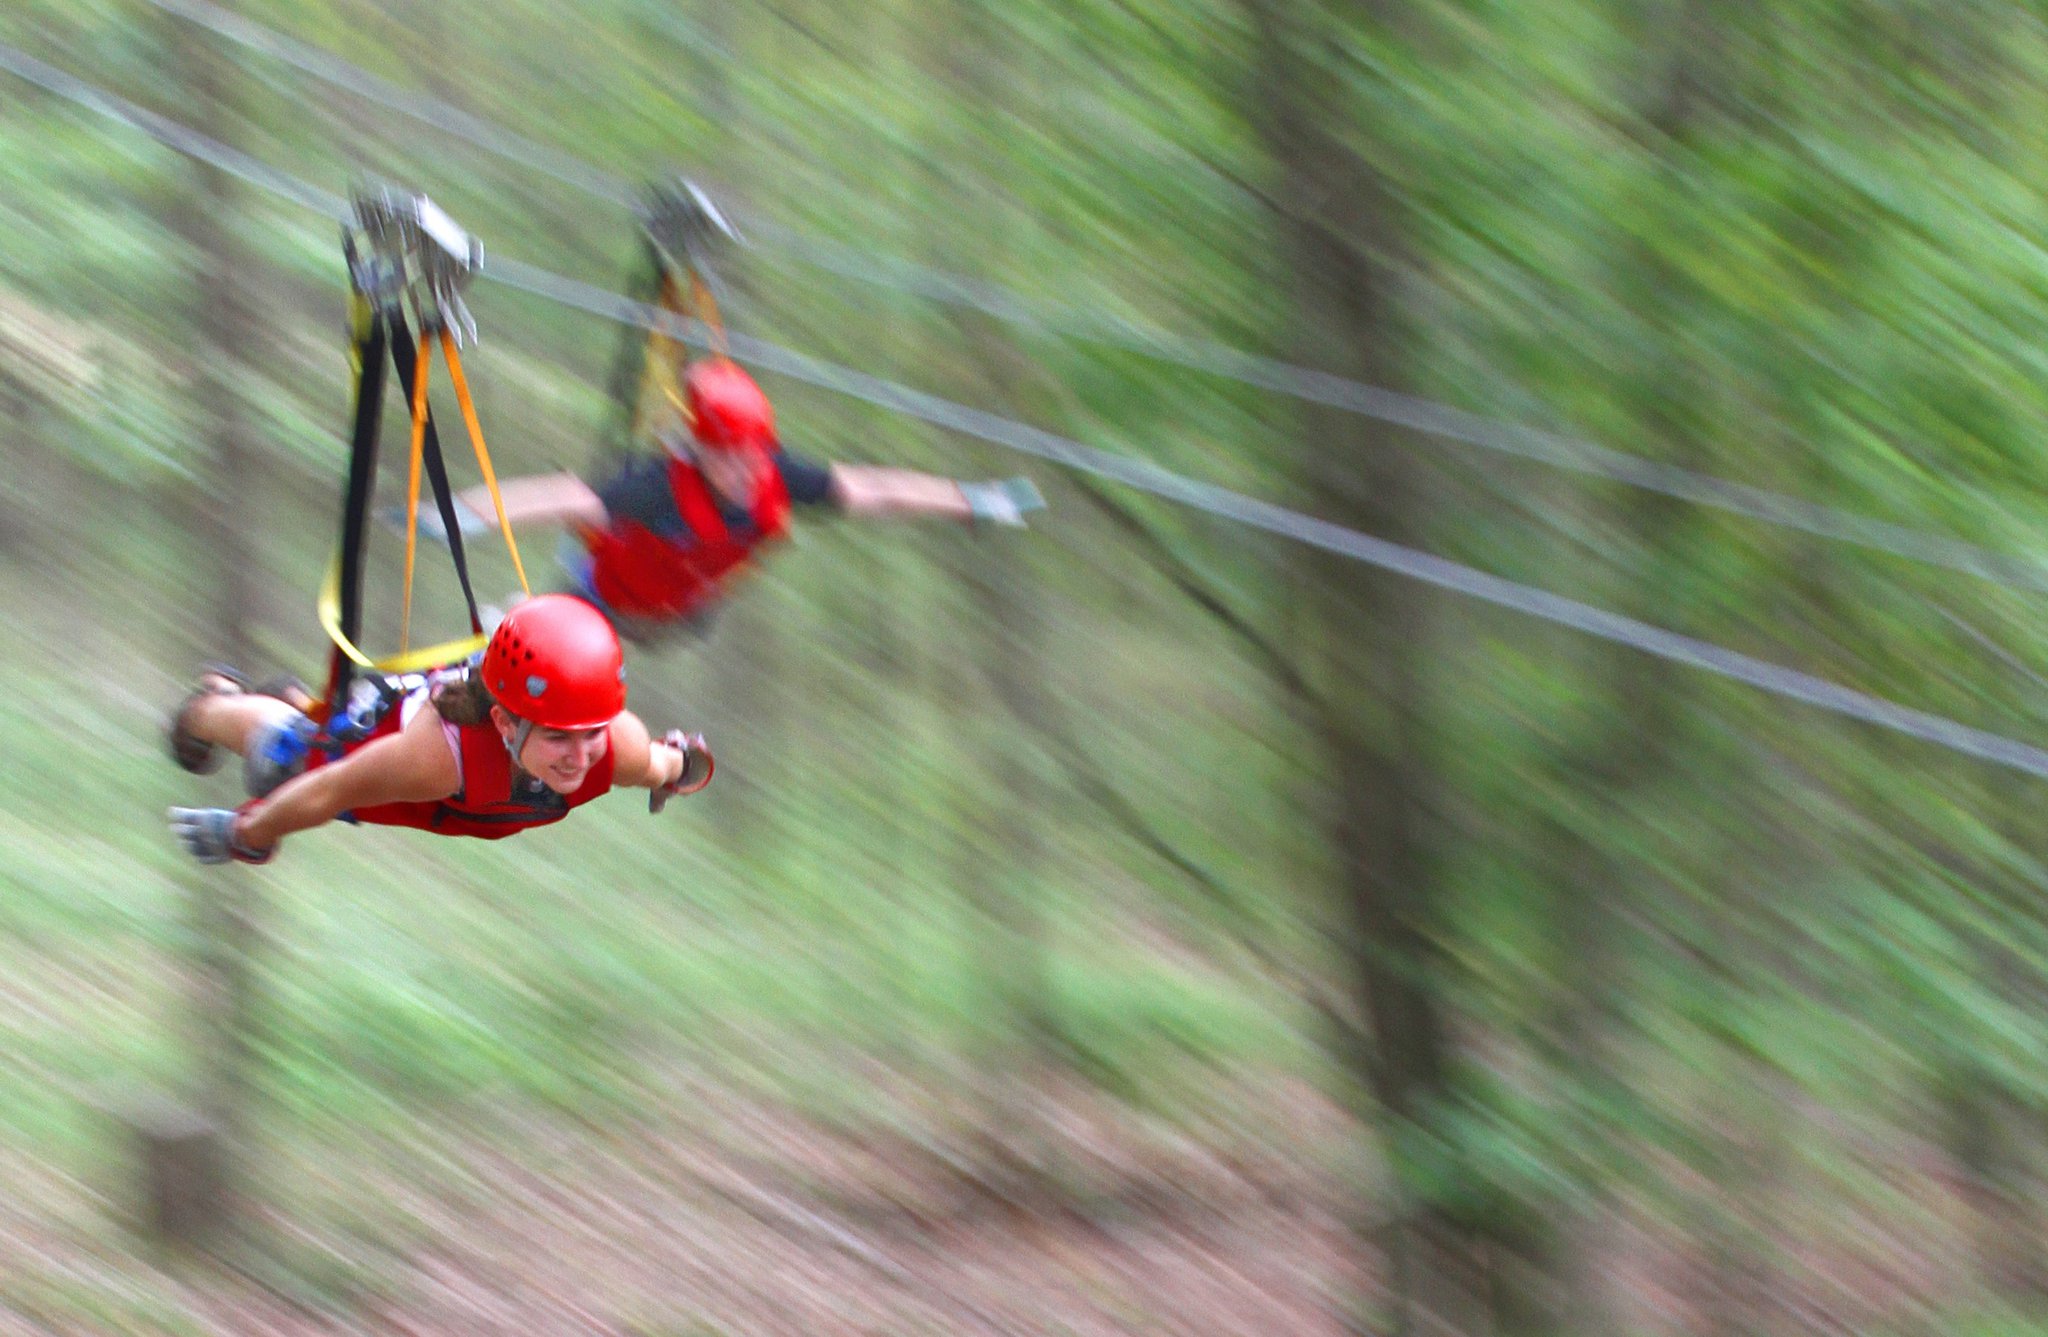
x=426 y=657
x=666 y=354
x=663 y=355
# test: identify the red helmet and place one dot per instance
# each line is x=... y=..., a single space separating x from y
x=727 y=410
x=555 y=661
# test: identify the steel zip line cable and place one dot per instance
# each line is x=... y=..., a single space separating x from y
x=565 y=168
x=171 y=134
x=1401 y=410
x=1773 y=678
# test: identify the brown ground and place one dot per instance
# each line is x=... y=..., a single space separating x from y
x=743 y=1219
x=755 y=1222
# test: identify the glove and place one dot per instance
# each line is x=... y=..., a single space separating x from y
x=696 y=772
x=208 y=835
x=1002 y=501
x=430 y=527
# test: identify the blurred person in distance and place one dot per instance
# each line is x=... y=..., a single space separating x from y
x=663 y=539
x=534 y=730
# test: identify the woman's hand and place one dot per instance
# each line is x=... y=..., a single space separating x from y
x=693 y=770
x=209 y=835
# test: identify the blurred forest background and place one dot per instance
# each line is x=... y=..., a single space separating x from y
x=1139 y=924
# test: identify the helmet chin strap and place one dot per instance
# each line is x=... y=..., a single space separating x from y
x=516 y=744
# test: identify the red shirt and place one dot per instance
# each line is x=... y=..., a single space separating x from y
x=492 y=804
x=670 y=548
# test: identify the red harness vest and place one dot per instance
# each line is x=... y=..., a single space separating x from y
x=638 y=573
x=490 y=805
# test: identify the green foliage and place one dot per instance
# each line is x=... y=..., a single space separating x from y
x=1826 y=282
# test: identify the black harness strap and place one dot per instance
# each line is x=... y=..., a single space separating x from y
x=372 y=339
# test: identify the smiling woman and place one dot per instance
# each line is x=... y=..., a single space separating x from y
x=538 y=727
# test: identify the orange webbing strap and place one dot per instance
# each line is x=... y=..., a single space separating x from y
x=412 y=484
x=705 y=307
x=476 y=439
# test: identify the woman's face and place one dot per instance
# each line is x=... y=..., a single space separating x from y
x=734 y=474
x=559 y=758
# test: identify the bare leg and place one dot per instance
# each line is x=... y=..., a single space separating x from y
x=220 y=714
x=231 y=721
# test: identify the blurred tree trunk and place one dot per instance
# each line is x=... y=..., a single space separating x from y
x=1989 y=1131
x=1002 y=866
x=998 y=843
x=18 y=411
x=223 y=510
x=749 y=677
x=1344 y=244
x=28 y=517
x=1982 y=1133
x=1635 y=701
x=1747 y=1156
